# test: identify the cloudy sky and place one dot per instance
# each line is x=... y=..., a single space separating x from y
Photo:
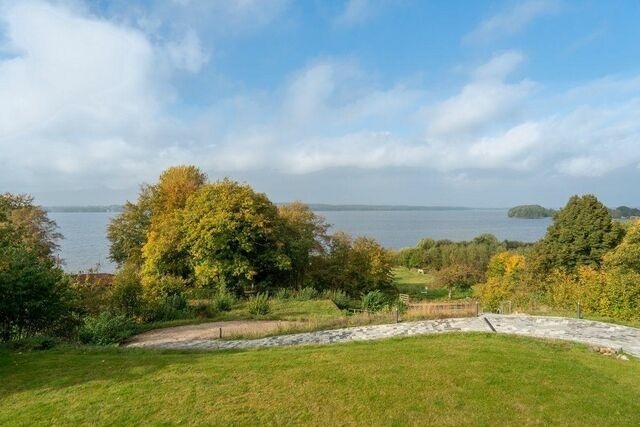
x=362 y=101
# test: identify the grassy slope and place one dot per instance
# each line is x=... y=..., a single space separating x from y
x=413 y=283
x=473 y=379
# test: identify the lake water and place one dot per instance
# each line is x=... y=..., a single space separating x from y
x=85 y=243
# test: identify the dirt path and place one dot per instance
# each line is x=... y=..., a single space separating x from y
x=204 y=331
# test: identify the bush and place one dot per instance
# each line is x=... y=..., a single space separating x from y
x=165 y=299
x=504 y=275
x=126 y=292
x=259 y=305
x=339 y=298
x=373 y=301
x=224 y=301
x=306 y=294
x=106 y=328
x=283 y=293
x=204 y=310
x=171 y=308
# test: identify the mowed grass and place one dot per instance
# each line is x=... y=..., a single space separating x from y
x=455 y=379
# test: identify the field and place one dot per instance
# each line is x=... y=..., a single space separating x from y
x=409 y=281
x=456 y=379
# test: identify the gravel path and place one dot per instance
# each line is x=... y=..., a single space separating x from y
x=203 y=331
x=588 y=332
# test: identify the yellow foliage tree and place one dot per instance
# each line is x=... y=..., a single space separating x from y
x=503 y=277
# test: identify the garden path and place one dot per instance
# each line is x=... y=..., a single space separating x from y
x=593 y=333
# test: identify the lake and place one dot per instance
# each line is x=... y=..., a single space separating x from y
x=85 y=244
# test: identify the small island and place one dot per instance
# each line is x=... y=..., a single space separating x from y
x=530 y=212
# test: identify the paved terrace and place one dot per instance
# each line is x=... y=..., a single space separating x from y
x=588 y=332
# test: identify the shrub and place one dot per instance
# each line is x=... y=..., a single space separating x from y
x=171 y=308
x=203 y=309
x=339 y=298
x=259 y=305
x=373 y=301
x=306 y=294
x=283 y=293
x=224 y=301
x=106 y=328
x=165 y=299
x=126 y=292
x=503 y=278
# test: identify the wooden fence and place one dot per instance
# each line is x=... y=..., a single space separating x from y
x=436 y=310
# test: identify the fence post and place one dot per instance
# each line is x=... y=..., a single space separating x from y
x=579 y=311
x=220 y=332
x=397 y=314
x=477 y=308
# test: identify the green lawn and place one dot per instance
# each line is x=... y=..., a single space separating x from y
x=409 y=281
x=456 y=379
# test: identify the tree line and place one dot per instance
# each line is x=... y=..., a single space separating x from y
x=183 y=235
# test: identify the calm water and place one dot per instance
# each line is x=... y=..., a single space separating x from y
x=86 y=245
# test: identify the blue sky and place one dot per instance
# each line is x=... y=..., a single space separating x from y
x=384 y=102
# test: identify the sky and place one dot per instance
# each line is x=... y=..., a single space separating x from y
x=464 y=103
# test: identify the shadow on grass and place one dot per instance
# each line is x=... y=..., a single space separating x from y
x=69 y=366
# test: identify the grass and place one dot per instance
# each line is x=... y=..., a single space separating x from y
x=319 y=324
x=409 y=281
x=455 y=379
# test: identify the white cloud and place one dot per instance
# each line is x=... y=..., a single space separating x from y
x=187 y=53
x=79 y=95
x=512 y=20
x=355 y=12
x=499 y=66
x=483 y=100
x=88 y=103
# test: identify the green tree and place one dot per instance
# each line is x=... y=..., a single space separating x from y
x=234 y=237
x=458 y=276
x=128 y=231
x=33 y=289
x=305 y=235
x=355 y=266
x=30 y=224
x=581 y=233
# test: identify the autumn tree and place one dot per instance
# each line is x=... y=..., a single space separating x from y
x=152 y=216
x=504 y=274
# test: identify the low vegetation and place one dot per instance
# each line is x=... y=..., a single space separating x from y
x=470 y=379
